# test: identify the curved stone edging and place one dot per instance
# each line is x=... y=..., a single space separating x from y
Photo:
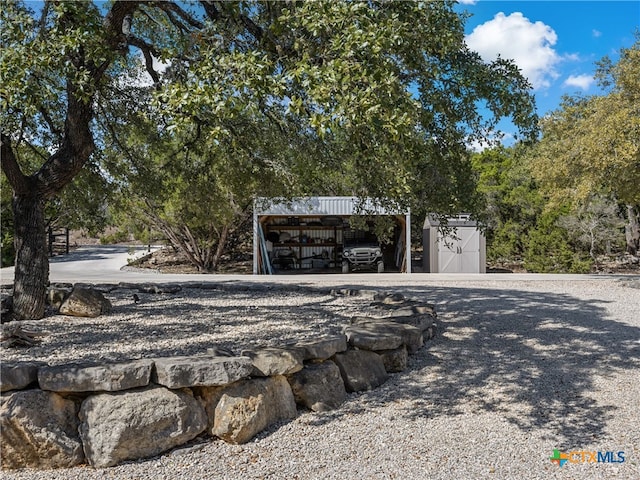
x=66 y=415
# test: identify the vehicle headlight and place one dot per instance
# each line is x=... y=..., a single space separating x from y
x=347 y=253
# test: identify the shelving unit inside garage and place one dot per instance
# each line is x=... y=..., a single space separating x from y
x=307 y=233
x=303 y=242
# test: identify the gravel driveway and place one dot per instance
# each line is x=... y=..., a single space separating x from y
x=518 y=368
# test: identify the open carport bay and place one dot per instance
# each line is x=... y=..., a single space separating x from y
x=314 y=235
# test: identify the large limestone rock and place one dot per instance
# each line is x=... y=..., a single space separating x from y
x=394 y=360
x=85 y=302
x=56 y=296
x=179 y=372
x=417 y=309
x=371 y=338
x=322 y=348
x=247 y=407
x=410 y=336
x=275 y=361
x=39 y=430
x=361 y=370
x=209 y=398
x=318 y=387
x=389 y=298
x=138 y=423
x=405 y=317
x=16 y=376
x=92 y=378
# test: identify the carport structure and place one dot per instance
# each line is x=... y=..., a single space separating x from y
x=311 y=230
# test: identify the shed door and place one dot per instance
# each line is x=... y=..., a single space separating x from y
x=447 y=255
x=461 y=255
x=469 y=250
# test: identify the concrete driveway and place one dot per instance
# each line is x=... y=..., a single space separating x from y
x=106 y=264
x=90 y=264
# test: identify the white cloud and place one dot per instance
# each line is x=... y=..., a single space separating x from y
x=529 y=45
x=468 y=2
x=580 y=81
x=596 y=33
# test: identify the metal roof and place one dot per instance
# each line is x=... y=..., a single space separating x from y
x=339 y=206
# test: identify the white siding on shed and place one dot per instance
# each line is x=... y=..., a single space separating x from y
x=461 y=251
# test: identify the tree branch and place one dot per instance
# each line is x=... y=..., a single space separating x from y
x=47 y=118
x=115 y=20
x=18 y=180
x=149 y=52
x=171 y=8
x=210 y=9
x=77 y=143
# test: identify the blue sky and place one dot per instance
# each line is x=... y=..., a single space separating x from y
x=555 y=43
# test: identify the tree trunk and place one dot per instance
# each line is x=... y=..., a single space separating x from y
x=222 y=243
x=75 y=146
x=32 y=263
x=632 y=230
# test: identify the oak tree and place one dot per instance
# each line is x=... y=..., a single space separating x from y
x=392 y=83
x=591 y=145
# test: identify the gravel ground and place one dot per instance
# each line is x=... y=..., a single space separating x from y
x=190 y=322
x=516 y=370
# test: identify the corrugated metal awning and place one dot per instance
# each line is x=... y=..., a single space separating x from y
x=340 y=206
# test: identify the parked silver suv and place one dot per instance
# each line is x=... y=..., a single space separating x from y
x=361 y=251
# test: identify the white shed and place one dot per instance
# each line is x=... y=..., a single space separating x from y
x=313 y=229
x=463 y=250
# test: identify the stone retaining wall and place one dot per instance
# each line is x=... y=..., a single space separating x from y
x=105 y=414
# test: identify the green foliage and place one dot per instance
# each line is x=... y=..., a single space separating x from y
x=555 y=204
x=45 y=57
x=394 y=123
x=513 y=202
x=82 y=205
x=193 y=188
x=119 y=236
x=271 y=98
x=549 y=251
x=6 y=223
x=7 y=254
x=8 y=250
x=593 y=144
x=522 y=224
x=315 y=98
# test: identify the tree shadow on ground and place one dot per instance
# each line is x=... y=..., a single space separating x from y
x=530 y=357
x=180 y=324
x=533 y=358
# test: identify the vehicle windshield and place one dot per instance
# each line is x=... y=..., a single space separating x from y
x=360 y=238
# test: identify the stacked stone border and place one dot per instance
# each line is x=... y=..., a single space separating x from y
x=105 y=414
